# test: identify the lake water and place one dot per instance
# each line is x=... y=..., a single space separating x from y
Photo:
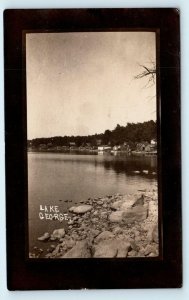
x=54 y=178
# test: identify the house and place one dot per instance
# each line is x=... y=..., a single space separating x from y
x=104 y=148
x=148 y=148
x=72 y=145
x=142 y=146
x=115 y=148
x=125 y=147
x=153 y=142
x=153 y=145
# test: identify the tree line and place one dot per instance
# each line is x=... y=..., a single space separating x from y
x=131 y=133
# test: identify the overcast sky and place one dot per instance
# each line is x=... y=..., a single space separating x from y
x=83 y=83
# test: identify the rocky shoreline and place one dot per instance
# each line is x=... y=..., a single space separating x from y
x=107 y=227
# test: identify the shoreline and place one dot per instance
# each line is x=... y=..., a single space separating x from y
x=111 y=226
x=96 y=152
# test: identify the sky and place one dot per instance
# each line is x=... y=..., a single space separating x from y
x=83 y=83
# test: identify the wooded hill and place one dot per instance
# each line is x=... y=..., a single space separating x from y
x=131 y=133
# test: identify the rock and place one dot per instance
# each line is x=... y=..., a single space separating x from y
x=137 y=239
x=105 y=205
x=70 y=222
x=99 y=202
x=150 y=249
x=57 y=234
x=139 y=201
x=94 y=220
x=116 y=205
x=104 y=215
x=80 y=250
x=153 y=208
x=70 y=243
x=48 y=255
x=111 y=248
x=116 y=217
x=80 y=209
x=132 y=253
x=64 y=247
x=136 y=233
x=95 y=213
x=141 y=251
x=44 y=237
x=75 y=236
x=106 y=248
x=94 y=232
x=126 y=202
x=152 y=254
x=123 y=248
x=133 y=245
x=53 y=251
x=137 y=213
x=105 y=235
x=152 y=235
x=117 y=230
x=155 y=234
x=31 y=255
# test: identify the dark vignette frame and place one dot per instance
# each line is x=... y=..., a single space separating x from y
x=162 y=272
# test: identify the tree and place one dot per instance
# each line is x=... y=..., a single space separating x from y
x=149 y=72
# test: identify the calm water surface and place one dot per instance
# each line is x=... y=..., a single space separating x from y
x=54 y=178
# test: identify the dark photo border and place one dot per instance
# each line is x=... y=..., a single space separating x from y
x=164 y=271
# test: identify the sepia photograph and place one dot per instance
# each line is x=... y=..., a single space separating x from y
x=92 y=144
x=93 y=148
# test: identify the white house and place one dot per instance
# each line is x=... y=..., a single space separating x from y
x=104 y=148
x=153 y=142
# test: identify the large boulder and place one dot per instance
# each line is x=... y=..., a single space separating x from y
x=57 y=234
x=111 y=248
x=80 y=250
x=123 y=248
x=126 y=202
x=116 y=216
x=106 y=248
x=105 y=235
x=129 y=215
x=136 y=213
x=81 y=209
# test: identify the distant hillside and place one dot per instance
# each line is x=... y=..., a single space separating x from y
x=131 y=133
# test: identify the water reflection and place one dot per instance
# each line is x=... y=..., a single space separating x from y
x=134 y=166
x=145 y=166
